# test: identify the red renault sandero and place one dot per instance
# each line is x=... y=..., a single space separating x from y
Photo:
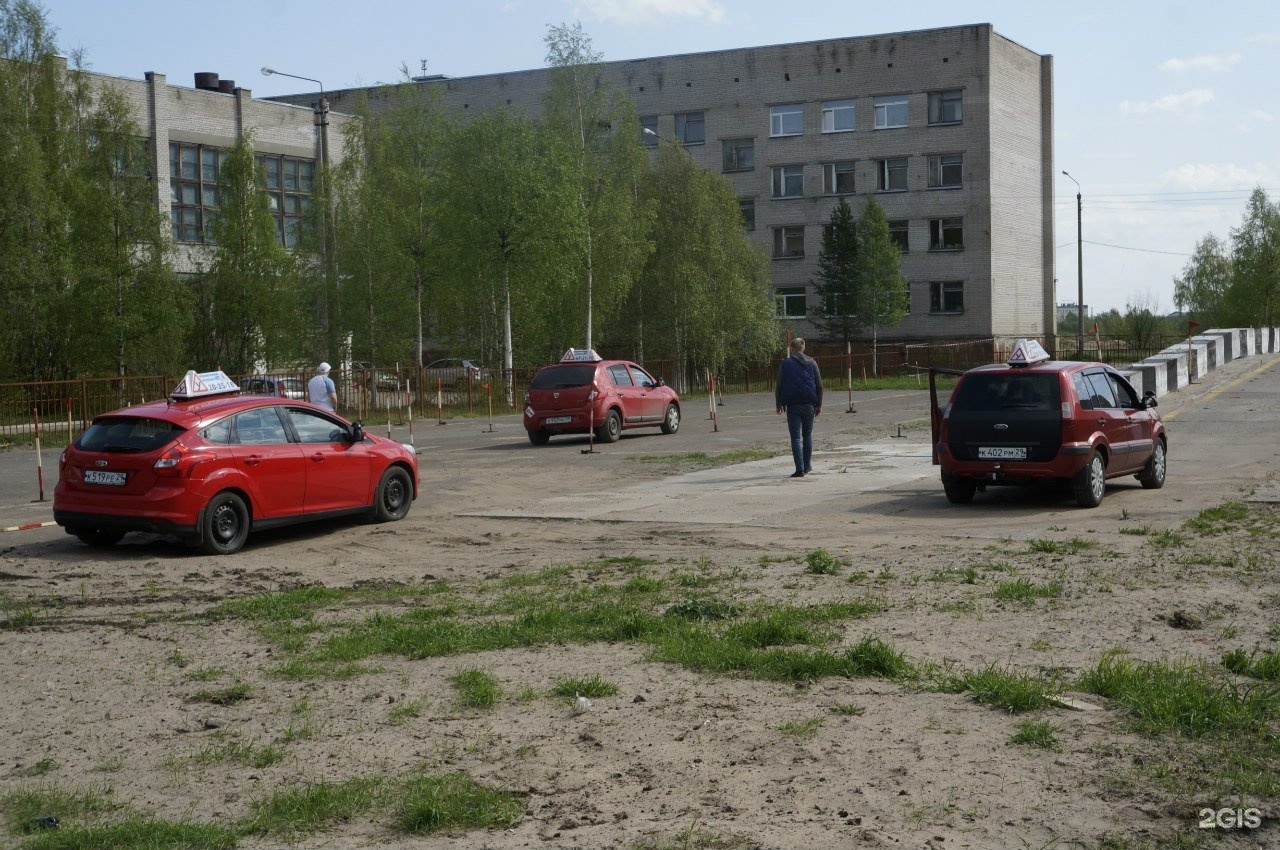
x=585 y=393
x=210 y=465
x=1036 y=419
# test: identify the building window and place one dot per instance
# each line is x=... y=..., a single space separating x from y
x=786 y=120
x=788 y=181
x=790 y=301
x=837 y=116
x=945 y=171
x=898 y=234
x=193 y=191
x=946 y=296
x=893 y=174
x=946 y=234
x=945 y=107
x=837 y=178
x=690 y=129
x=747 y=206
x=788 y=242
x=739 y=154
x=891 y=111
x=288 y=182
x=649 y=123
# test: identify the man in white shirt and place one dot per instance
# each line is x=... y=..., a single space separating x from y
x=320 y=389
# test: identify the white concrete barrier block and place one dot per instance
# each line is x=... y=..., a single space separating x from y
x=1152 y=377
x=1175 y=366
x=1213 y=347
x=1199 y=358
x=1234 y=342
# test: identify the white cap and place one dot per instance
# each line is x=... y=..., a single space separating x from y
x=322 y=368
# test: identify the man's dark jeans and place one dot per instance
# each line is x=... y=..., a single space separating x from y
x=800 y=424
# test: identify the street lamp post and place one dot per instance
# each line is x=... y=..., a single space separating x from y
x=326 y=238
x=1079 y=269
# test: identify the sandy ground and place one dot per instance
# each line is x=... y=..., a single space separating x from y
x=97 y=686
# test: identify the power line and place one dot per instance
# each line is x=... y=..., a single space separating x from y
x=1124 y=248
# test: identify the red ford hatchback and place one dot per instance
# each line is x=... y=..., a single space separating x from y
x=211 y=465
x=584 y=393
x=1038 y=419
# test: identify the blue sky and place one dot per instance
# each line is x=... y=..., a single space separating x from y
x=1166 y=113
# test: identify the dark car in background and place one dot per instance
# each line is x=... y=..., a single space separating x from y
x=453 y=372
x=1036 y=419
x=274 y=385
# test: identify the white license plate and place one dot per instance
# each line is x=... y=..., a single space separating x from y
x=97 y=476
x=557 y=420
x=1002 y=452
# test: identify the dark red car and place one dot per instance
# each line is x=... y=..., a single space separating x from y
x=584 y=393
x=1037 y=419
x=210 y=465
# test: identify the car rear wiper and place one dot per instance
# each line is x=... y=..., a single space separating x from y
x=121 y=449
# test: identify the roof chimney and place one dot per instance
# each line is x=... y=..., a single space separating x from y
x=207 y=80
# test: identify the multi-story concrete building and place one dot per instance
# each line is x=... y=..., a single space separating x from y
x=951 y=130
x=188 y=132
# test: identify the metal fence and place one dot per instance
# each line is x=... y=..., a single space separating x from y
x=377 y=395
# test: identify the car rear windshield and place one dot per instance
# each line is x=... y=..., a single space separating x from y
x=128 y=434
x=563 y=377
x=1007 y=391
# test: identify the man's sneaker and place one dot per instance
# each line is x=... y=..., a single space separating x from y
x=808 y=469
x=797 y=474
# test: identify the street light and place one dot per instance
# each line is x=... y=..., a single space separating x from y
x=1079 y=270
x=327 y=240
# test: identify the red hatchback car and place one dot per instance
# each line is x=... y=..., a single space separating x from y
x=584 y=393
x=1038 y=419
x=210 y=465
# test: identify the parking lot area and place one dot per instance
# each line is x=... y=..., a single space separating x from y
x=769 y=661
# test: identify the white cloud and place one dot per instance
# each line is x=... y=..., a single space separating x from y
x=1264 y=38
x=1261 y=115
x=1206 y=62
x=654 y=11
x=1213 y=177
x=1179 y=103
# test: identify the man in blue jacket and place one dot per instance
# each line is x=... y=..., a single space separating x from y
x=799 y=393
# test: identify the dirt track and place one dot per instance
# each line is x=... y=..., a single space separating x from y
x=113 y=646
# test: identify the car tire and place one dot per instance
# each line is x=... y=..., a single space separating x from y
x=959 y=490
x=224 y=525
x=394 y=495
x=611 y=429
x=671 y=419
x=1090 y=483
x=99 y=538
x=1152 y=475
x=540 y=437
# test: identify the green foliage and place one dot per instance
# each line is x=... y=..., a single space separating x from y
x=455 y=801
x=1236 y=285
x=1034 y=733
x=1205 y=281
x=575 y=686
x=1010 y=690
x=837 y=285
x=883 y=290
x=476 y=688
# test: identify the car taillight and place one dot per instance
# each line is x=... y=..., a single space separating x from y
x=178 y=462
x=527 y=399
x=1066 y=411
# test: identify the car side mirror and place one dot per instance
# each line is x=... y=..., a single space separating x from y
x=357 y=432
x=661 y=383
x=1149 y=399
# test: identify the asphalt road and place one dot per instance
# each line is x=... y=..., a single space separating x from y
x=1224 y=443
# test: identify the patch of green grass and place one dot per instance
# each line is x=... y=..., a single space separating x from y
x=644 y=584
x=1138 y=530
x=802 y=729
x=1008 y=689
x=702 y=460
x=177 y=659
x=21 y=806
x=703 y=609
x=18 y=618
x=248 y=754
x=1034 y=733
x=404 y=710
x=206 y=674
x=40 y=768
x=476 y=688
x=849 y=709
x=1220 y=519
x=593 y=687
x=303 y=809
x=137 y=833
x=1074 y=546
x=1026 y=592
x=822 y=562
x=284 y=605
x=1180 y=697
x=455 y=801
x=222 y=696
x=1167 y=539
x=1256 y=664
